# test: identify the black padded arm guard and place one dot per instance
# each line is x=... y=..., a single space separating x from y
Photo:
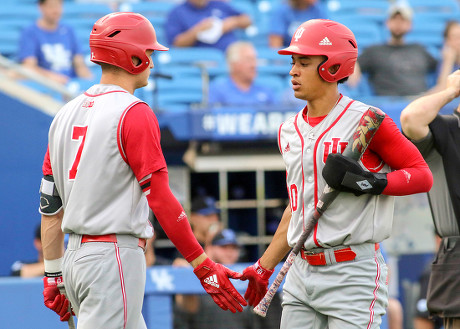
x=346 y=175
x=50 y=201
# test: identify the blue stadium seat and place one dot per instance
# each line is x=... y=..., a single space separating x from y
x=358 y=9
x=367 y=31
x=19 y=10
x=149 y=9
x=190 y=56
x=74 y=10
x=441 y=7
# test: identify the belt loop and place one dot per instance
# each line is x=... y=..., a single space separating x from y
x=74 y=242
x=329 y=256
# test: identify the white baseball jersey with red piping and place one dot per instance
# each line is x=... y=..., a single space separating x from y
x=84 y=140
x=349 y=220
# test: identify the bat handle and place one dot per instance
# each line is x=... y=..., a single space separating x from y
x=70 y=322
x=262 y=308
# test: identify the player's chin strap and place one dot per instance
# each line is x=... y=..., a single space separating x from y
x=50 y=201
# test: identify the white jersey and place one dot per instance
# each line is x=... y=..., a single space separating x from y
x=349 y=219
x=99 y=191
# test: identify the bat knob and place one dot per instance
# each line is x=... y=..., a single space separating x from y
x=260 y=310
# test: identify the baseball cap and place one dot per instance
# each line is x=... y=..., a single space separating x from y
x=224 y=238
x=204 y=205
x=401 y=8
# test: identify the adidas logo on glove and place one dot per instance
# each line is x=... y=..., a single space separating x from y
x=212 y=280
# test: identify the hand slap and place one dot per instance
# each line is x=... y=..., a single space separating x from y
x=258 y=282
x=215 y=280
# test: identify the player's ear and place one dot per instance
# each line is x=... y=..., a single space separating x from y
x=334 y=68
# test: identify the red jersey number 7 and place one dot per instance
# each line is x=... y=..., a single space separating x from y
x=78 y=132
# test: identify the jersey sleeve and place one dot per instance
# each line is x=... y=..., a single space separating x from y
x=410 y=173
x=140 y=138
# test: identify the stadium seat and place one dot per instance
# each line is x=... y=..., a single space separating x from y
x=76 y=10
x=150 y=9
x=442 y=7
x=190 y=56
x=375 y=10
x=19 y=10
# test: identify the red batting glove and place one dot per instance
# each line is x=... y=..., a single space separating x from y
x=258 y=283
x=215 y=280
x=54 y=299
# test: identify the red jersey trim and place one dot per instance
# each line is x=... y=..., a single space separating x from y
x=119 y=131
x=279 y=138
x=109 y=92
x=303 y=175
x=315 y=168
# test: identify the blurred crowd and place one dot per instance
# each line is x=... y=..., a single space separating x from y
x=247 y=35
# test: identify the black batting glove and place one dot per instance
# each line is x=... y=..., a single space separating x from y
x=346 y=175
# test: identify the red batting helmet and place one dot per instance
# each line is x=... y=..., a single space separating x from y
x=328 y=38
x=118 y=37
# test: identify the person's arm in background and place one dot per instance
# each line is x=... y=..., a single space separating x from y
x=80 y=67
x=355 y=77
x=188 y=37
x=449 y=56
x=416 y=117
x=32 y=64
x=32 y=270
x=235 y=22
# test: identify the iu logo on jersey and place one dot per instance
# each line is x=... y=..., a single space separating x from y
x=333 y=147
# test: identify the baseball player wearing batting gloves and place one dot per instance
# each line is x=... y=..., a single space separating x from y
x=338 y=280
x=437 y=136
x=103 y=168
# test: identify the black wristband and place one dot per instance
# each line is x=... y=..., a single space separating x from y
x=53 y=275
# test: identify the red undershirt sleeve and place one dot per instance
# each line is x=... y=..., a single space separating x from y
x=141 y=144
x=140 y=140
x=172 y=217
x=410 y=173
x=46 y=167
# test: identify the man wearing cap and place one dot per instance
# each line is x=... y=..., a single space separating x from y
x=204 y=218
x=396 y=68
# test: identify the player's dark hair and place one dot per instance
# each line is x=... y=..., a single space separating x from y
x=342 y=80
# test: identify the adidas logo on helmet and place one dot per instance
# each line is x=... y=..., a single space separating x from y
x=325 y=42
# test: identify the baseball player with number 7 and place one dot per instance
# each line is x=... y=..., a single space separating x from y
x=338 y=279
x=104 y=167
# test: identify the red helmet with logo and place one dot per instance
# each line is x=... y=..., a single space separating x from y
x=328 y=38
x=118 y=37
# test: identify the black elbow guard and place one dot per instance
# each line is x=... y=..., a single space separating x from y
x=50 y=201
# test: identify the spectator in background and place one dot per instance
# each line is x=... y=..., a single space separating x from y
x=34 y=268
x=50 y=47
x=286 y=18
x=204 y=218
x=396 y=68
x=240 y=87
x=450 y=52
x=204 y=23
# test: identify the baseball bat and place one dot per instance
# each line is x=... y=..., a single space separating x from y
x=367 y=127
x=70 y=322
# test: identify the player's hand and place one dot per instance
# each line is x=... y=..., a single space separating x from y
x=346 y=175
x=258 y=283
x=215 y=280
x=54 y=299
